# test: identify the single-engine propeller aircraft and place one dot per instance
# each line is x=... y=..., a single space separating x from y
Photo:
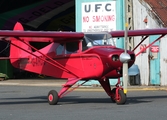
x=74 y=56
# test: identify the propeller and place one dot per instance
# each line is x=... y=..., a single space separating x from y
x=125 y=58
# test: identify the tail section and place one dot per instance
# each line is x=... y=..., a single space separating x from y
x=15 y=52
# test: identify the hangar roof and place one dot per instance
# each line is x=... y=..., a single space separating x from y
x=7 y=5
x=38 y=15
x=158 y=8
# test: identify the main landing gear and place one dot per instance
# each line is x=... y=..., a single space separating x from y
x=117 y=95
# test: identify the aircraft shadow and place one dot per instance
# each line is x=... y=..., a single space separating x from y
x=78 y=100
x=144 y=99
x=23 y=100
x=130 y=100
x=72 y=100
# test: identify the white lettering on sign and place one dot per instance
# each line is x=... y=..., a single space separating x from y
x=98 y=16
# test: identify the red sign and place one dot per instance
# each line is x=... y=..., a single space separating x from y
x=154 y=48
x=143 y=48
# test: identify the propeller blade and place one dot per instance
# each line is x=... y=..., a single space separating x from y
x=125 y=77
x=124 y=58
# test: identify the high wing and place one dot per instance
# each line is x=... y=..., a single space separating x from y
x=43 y=36
x=142 y=32
x=58 y=36
x=145 y=33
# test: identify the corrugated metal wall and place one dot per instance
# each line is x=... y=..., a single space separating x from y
x=142 y=59
x=145 y=65
x=163 y=61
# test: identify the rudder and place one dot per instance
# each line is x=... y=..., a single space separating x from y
x=15 y=52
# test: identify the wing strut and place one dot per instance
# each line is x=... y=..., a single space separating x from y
x=150 y=44
x=140 y=43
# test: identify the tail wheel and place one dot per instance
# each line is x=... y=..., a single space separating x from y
x=121 y=98
x=53 y=97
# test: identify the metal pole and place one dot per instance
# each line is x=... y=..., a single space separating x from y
x=125 y=64
x=126 y=28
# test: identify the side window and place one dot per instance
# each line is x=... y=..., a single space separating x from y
x=72 y=47
x=60 y=49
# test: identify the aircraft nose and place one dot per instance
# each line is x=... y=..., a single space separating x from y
x=125 y=57
x=119 y=58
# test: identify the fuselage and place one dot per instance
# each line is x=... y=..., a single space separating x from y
x=85 y=59
x=93 y=63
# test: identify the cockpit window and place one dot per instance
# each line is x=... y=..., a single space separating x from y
x=67 y=48
x=60 y=49
x=98 y=39
x=72 y=47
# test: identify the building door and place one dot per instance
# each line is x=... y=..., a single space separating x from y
x=154 y=57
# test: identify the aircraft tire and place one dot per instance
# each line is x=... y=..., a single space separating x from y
x=122 y=98
x=53 y=97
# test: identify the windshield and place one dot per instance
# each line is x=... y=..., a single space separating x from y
x=96 y=39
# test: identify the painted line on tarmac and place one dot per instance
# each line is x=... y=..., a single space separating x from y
x=31 y=84
x=9 y=84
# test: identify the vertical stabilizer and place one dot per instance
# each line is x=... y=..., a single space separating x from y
x=15 y=52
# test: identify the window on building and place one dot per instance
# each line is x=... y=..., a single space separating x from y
x=129 y=20
x=129 y=8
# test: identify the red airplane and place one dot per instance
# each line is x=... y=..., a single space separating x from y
x=74 y=56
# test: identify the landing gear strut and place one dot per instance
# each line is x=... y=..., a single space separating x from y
x=117 y=95
x=53 y=96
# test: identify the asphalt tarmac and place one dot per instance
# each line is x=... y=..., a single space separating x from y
x=27 y=100
x=58 y=82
